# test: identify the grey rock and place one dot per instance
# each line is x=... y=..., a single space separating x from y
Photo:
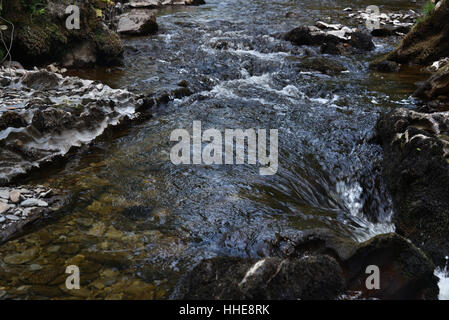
x=14 y=196
x=4 y=207
x=12 y=217
x=34 y=203
x=137 y=22
x=81 y=56
x=4 y=194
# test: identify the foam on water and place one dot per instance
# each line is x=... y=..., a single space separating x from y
x=351 y=194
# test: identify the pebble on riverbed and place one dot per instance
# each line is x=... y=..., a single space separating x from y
x=20 y=205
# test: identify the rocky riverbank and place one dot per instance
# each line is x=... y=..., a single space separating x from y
x=415 y=142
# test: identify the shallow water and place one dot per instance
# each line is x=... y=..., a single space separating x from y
x=137 y=221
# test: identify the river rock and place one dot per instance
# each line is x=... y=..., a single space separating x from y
x=14 y=196
x=47 y=39
x=405 y=271
x=427 y=41
x=4 y=207
x=137 y=22
x=4 y=194
x=20 y=258
x=332 y=41
x=56 y=114
x=361 y=41
x=384 y=66
x=437 y=85
x=12 y=119
x=416 y=170
x=317 y=277
x=321 y=64
x=41 y=80
x=82 y=55
x=33 y=203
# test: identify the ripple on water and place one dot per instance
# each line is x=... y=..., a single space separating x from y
x=137 y=222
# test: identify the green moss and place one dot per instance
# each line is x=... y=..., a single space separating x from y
x=41 y=36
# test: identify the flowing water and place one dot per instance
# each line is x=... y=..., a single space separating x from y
x=137 y=222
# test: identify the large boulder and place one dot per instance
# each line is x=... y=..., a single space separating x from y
x=137 y=22
x=313 y=277
x=41 y=36
x=416 y=170
x=316 y=265
x=427 y=41
x=405 y=271
x=333 y=39
x=434 y=87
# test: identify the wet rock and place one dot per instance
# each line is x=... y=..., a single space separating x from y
x=427 y=41
x=336 y=48
x=307 y=278
x=34 y=203
x=51 y=120
x=77 y=112
x=306 y=35
x=321 y=64
x=46 y=291
x=12 y=65
x=333 y=41
x=4 y=193
x=437 y=85
x=416 y=170
x=47 y=39
x=20 y=258
x=361 y=41
x=40 y=80
x=12 y=119
x=18 y=216
x=42 y=277
x=317 y=277
x=386 y=31
x=384 y=66
x=14 y=196
x=4 y=207
x=137 y=22
x=405 y=271
x=82 y=55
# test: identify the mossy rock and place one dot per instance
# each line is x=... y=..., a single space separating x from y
x=42 y=37
x=428 y=40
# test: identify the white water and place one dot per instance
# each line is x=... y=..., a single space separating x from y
x=443 y=283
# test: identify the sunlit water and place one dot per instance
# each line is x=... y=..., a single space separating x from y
x=137 y=222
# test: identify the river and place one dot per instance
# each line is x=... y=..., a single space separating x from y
x=137 y=222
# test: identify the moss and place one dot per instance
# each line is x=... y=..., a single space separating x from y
x=42 y=37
